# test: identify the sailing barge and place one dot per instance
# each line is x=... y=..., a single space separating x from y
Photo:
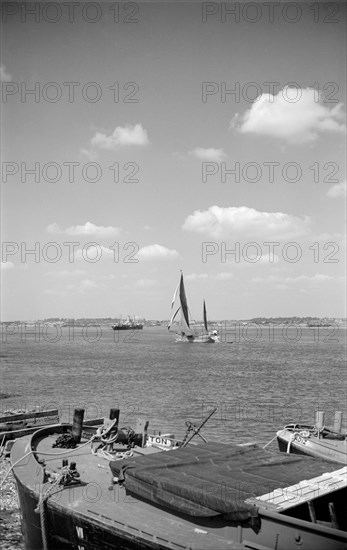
x=182 y=325
x=205 y=496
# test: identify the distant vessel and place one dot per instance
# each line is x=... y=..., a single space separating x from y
x=129 y=324
x=315 y=440
x=314 y=323
x=183 y=328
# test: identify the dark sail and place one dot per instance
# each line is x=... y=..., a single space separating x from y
x=205 y=317
x=183 y=299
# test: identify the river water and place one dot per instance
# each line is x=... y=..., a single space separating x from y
x=259 y=379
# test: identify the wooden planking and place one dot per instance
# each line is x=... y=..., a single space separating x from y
x=21 y=424
x=26 y=416
x=304 y=491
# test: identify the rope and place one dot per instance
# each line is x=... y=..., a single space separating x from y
x=43 y=523
x=102 y=433
x=45 y=454
x=102 y=453
x=291 y=439
x=99 y=433
x=41 y=508
x=110 y=440
x=273 y=439
x=66 y=477
x=1 y=447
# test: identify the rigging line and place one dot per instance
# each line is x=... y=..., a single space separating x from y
x=173 y=318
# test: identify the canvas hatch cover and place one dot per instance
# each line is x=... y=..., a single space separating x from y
x=214 y=478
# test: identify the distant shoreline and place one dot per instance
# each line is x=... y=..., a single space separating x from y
x=312 y=322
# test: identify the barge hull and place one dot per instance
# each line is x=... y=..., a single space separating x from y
x=97 y=515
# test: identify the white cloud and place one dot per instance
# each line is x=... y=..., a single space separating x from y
x=4 y=75
x=67 y=273
x=338 y=190
x=320 y=277
x=211 y=154
x=90 y=154
x=241 y=221
x=122 y=135
x=86 y=285
x=157 y=252
x=146 y=283
x=285 y=281
x=268 y=259
x=95 y=252
x=294 y=115
x=87 y=229
x=338 y=238
x=5 y=266
x=195 y=276
x=223 y=276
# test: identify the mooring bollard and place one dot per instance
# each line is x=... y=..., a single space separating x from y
x=338 y=422
x=114 y=415
x=77 y=424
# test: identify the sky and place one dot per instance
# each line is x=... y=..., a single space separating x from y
x=141 y=139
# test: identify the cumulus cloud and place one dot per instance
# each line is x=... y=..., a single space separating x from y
x=90 y=154
x=94 y=252
x=5 y=266
x=87 y=229
x=83 y=286
x=122 y=135
x=295 y=115
x=223 y=276
x=195 y=276
x=266 y=259
x=157 y=252
x=86 y=285
x=338 y=190
x=146 y=283
x=67 y=273
x=241 y=221
x=4 y=75
x=211 y=154
x=286 y=281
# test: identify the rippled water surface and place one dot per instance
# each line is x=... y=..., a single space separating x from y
x=259 y=382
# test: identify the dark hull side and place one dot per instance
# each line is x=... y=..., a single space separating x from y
x=71 y=531
x=334 y=451
x=74 y=532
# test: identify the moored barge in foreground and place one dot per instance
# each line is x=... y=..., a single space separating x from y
x=205 y=496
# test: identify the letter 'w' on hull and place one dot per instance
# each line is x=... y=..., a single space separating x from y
x=182 y=326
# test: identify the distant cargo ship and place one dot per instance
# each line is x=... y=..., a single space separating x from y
x=321 y=323
x=130 y=324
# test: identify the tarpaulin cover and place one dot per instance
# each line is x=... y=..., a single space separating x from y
x=214 y=478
